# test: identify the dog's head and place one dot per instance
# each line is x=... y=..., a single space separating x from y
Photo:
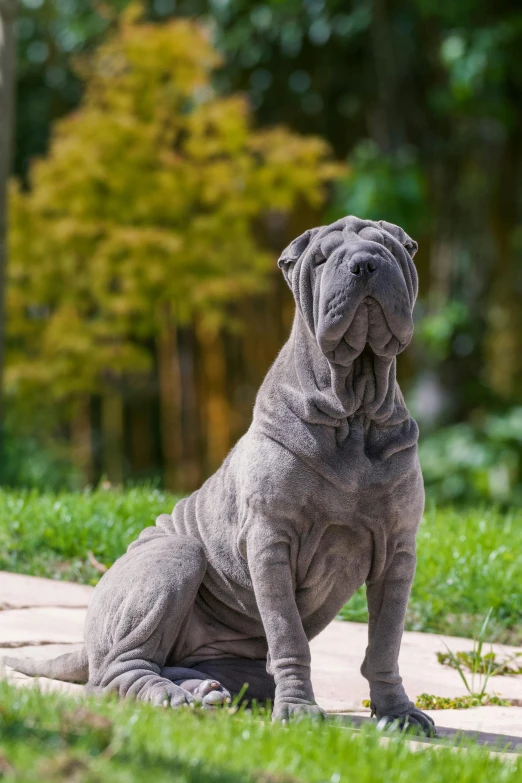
x=355 y=283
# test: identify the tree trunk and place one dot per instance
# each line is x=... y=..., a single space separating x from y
x=217 y=411
x=503 y=349
x=7 y=78
x=141 y=439
x=112 y=429
x=386 y=121
x=170 y=401
x=190 y=474
x=81 y=441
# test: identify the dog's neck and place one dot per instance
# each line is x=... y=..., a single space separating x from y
x=331 y=394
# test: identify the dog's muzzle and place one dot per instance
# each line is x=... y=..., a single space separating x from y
x=362 y=301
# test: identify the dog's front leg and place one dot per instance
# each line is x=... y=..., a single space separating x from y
x=387 y=601
x=289 y=652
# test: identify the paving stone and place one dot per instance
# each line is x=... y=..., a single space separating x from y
x=500 y=743
x=45 y=685
x=18 y=591
x=41 y=626
x=53 y=625
x=338 y=652
x=40 y=653
x=498 y=720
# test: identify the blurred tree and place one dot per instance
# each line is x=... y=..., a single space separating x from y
x=142 y=220
x=424 y=98
x=7 y=79
x=50 y=37
x=63 y=346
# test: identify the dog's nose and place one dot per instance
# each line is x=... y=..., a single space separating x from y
x=364 y=266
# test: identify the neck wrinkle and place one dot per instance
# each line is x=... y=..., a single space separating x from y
x=332 y=394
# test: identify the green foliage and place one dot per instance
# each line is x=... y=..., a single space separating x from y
x=482 y=664
x=142 y=215
x=473 y=462
x=50 y=36
x=436 y=330
x=51 y=534
x=478 y=61
x=52 y=737
x=427 y=701
x=29 y=464
x=383 y=187
x=480 y=668
x=425 y=100
x=468 y=561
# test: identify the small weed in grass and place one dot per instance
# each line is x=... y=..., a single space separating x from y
x=481 y=667
x=427 y=701
x=52 y=737
x=506 y=666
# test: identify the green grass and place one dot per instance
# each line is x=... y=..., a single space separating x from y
x=51 y=534
x=468 y=560
x=54 y=738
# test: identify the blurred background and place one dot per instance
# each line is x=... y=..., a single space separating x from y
x=161 y=157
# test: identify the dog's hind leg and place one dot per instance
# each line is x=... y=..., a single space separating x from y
x=137 y=613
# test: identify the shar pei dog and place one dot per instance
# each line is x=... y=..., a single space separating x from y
x=323 y=494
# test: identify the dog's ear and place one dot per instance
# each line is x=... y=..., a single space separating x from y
x=294 y=251
x=401 y=236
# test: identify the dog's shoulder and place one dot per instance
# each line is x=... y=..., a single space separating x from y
x=273 y=480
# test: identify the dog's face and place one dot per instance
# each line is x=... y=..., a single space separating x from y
x=355 y=284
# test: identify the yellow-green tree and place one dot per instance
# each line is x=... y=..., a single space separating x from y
x=146 y=214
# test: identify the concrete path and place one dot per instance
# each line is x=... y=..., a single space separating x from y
x=18 y=591
x=42 y=618
x=338 y=652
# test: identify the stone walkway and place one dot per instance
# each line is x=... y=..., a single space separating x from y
x=42 y=618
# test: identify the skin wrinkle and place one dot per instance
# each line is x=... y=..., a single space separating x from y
x=322 y=494
x=301 y=283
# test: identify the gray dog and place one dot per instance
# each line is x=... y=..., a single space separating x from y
x=323 y=494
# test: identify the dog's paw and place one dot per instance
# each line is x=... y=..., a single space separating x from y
x=168 y=694
x=287 y=710
x=207 y=693
x=411 y=719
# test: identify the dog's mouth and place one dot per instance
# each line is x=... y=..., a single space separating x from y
x=369 y=331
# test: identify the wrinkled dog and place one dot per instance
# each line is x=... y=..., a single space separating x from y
x=323 y=494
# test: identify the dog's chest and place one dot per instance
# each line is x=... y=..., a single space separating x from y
x=348 y=531
x=332 y=562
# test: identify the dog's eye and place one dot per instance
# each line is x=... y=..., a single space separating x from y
x=319 y=259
